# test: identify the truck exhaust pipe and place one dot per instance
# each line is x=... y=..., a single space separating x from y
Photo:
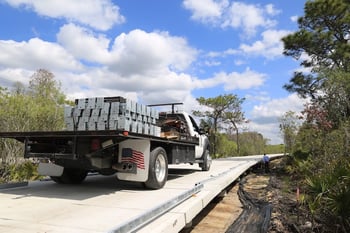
x=125 y=167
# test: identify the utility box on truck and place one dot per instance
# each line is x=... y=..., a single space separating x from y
x=116 y=135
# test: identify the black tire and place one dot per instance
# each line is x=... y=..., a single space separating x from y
x=70 y=176
x=107 y=172
x=206 y=161
x=56 y=179
x=158 y=169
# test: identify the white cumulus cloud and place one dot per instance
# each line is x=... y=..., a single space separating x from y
x=84 y=44
x=139 y=65
x=277 y=107
x=139 y=52
x=248 y=17
x=34 y=54
x=233 y=81
x=98 y=14
x=270 y=46
x=206 y=10
x=233 y=14
x=264 y=117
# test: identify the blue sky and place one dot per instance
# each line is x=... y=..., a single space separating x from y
x=157 y=51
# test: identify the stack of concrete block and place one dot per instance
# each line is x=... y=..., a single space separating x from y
x=111 y=113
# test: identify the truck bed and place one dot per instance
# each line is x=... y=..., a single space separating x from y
x=52 y=135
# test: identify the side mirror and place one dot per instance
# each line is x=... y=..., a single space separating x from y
x=202 y=131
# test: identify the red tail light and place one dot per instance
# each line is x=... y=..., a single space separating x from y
x=95 y=144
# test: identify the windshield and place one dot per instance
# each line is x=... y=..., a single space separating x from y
x=195 y=126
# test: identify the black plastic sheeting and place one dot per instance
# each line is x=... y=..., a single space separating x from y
x=255 y=216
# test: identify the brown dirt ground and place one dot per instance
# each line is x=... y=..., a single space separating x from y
x=218 y=215
x=273 y=187
x=287 y=216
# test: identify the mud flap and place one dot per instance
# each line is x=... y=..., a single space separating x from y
x=50 y=169
x=137 y=153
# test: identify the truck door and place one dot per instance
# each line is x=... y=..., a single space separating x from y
x=200 y=148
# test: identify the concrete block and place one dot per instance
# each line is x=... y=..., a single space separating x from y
x=96 y=112
x=124 y=109
x=154 y=113
x=68 y=120
x=153 y=120
x=70 y=127
x=124 y=123
x=101 y=125
x=91 y=125
x=93 y=119
x=138 y=108
x=84 y=119
x=105 y=108
x=76 y=120
x=77 y=112
x=128 y=105
x=99 y=102
x=68 y=111
x=157 y=131
x=134 y=126
x=112 y=124
x=115 y=108
x=146 y=128
x=91 y=103
x=148 y=111
x=139 y=127
x=86 y=112
x=133 y=106
x=114 y=117
x=82 y=125
x=133 y=116
x=82 y=104
x=151 y=130
x=143 y=110
x=103 y=118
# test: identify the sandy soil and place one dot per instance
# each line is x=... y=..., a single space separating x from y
x=219 y=215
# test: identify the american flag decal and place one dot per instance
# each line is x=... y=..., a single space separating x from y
x=133 y=156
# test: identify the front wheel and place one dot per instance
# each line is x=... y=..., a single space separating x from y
x=158 y=169
x=205 y=165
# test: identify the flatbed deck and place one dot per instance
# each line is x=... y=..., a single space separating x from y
x=40 y=135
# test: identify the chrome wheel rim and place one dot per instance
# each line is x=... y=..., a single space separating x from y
x=160 y=167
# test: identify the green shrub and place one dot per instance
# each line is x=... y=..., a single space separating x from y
x=329 y=192
x=18 y=172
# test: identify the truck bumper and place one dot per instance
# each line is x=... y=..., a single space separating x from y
x=50 y=169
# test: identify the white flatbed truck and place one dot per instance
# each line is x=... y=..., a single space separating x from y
x=68 y=156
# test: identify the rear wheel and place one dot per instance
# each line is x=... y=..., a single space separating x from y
x=70 y=176
x=158 y=169
x=205 y=165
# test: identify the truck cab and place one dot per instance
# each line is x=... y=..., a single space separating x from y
x=176 y=125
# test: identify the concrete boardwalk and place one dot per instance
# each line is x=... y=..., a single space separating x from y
x=104 y=204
